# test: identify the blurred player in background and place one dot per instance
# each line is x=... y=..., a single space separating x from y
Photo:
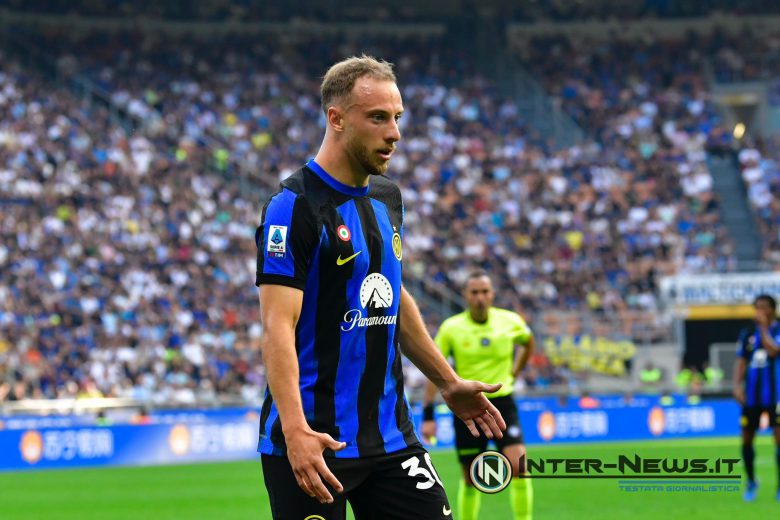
x=494 y=345
x=757 y=384
x=336 y=319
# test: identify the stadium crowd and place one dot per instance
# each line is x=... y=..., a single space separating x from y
x=126 y=257
x=760 y=167
x=654 y=94
x=125 y=271
x=518 y=206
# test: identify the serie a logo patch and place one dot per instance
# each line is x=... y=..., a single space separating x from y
x=277 y=241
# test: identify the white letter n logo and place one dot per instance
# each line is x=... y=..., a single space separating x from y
x=487 y=472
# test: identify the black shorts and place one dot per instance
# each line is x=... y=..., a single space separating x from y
x=396 y=486
x=751 y=416
x=469 y=447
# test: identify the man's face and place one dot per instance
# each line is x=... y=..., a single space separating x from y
x=371 y=123
x=764 y=312
x=479 y=294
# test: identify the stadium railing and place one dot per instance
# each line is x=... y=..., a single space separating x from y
x=66 y=406
x=82 y=405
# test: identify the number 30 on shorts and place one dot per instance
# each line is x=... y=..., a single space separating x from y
x=412 y=467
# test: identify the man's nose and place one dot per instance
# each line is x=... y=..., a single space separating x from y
x=395 y=132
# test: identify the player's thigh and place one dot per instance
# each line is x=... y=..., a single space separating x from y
x=289 y=501
x=467 y=446
x=402 y=486
x=749 y=420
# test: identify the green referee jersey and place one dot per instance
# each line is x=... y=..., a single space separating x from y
x=484 y=351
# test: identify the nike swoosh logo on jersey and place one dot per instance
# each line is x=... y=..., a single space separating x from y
x=446 y=510
x=339 y=260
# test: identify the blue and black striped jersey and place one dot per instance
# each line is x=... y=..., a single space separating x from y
x=341 y=246
x=762 y=376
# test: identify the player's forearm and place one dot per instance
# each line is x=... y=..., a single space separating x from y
x=281 y=368
x=279 y=312
x=418 y=346
x=768 y=342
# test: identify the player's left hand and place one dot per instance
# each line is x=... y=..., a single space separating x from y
x=467 y=400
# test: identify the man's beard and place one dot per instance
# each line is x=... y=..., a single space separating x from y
x=364 y=158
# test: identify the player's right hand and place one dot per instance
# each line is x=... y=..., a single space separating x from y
x=467 y=401
x=428 y=431
x=739 y=395
x=304 y=451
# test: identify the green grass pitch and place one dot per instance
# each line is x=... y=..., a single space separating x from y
x=234 y=490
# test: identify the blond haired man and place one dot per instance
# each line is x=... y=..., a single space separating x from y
x=335 y=425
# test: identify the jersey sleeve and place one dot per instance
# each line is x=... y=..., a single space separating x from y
x=286 y=241
x=523 y=334
x=741 y=342
x=443 y=340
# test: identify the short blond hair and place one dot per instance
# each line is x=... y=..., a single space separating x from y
x=341 y=77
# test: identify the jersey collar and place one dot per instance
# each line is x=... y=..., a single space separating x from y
x=472 y=320
x=335 y=184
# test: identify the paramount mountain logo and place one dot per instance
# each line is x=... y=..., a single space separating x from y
x=375 y=301
x=375 y=293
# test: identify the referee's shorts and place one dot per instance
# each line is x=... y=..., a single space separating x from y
x=468 y=446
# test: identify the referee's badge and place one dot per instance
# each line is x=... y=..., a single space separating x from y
x=397 y=248
x=485 y=342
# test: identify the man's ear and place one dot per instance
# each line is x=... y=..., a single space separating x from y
x=335 y=118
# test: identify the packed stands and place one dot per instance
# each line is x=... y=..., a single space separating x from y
x=127 y=255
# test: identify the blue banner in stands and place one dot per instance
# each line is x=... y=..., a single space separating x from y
x=546 y=421
x=195 y=437
x=188 y=436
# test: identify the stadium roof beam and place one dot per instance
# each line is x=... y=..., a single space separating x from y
x=215 y=28
x=640 y=29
